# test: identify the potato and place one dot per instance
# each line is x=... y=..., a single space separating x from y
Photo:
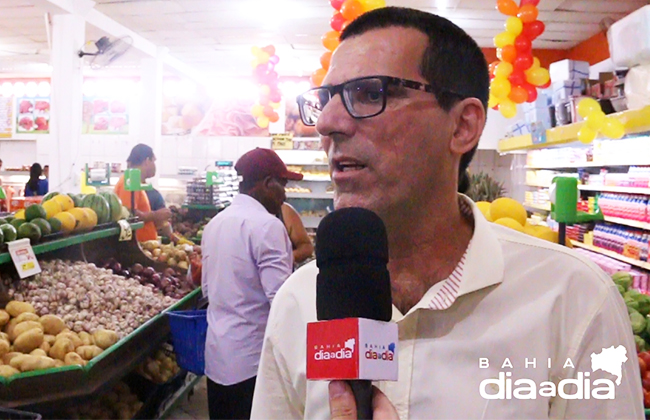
x=73 y=358
x=72 y=337
x=30 y=363
x=61 y=347
x=4 y=347
x=49 y=339
x=7 y=371
x=45 y=346
x=15 y=308
x=105 y=338
x=6 y=359
x=86 y=338
x=52 y=324
x=10 y=326
x=15 y=362
x=23 y=327
x=4 y=336
x=29 y=340
x=58 y=363
x=38 y=352
x=88 y=352
x=4 y=317
x=26 y=316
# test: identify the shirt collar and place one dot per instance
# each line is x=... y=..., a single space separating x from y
x=248 y=201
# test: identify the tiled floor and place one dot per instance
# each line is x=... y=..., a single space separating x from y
x=194 y=407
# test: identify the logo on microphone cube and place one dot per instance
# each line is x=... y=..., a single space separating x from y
x=352 y=348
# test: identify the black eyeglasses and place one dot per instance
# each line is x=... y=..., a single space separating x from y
x=363 y=97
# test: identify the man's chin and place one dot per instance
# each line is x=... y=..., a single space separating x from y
x=346 y=200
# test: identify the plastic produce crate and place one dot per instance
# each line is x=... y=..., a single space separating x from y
x=189 y=329
x=9 y=414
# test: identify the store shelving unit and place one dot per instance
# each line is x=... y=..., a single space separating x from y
x=605 y=188
x=535 y=206
x=627 y=222
x=631 y=261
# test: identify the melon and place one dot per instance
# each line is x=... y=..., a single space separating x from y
x=49 y=196
x=99 y=205
x=9 y=232
x=114 y=203
x=76 y=199
x=31 y=231
x=82 y=217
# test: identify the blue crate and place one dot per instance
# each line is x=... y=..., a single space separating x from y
x=188 y=335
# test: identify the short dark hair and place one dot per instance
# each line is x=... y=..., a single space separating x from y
x=452 y=60
x=139 y=154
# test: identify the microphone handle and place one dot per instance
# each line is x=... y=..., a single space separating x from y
x=362 y=391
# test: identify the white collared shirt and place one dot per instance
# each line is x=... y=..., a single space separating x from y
x=246 y=258
x=518 y=298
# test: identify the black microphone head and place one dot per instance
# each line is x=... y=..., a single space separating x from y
x=351 y=254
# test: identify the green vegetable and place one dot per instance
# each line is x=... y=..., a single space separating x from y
x=621 y=289
x=623 y=278
x=631 y=303
x=641 y=343
x=644 y=303
x=638 y=322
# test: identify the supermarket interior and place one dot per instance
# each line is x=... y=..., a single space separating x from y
x=121 y=125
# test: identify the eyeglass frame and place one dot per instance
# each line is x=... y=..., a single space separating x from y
x=386 y=80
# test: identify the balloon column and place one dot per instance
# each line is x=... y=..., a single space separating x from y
x=266 y=77
x=517 y=74
x=345 y=11
x=596 y=121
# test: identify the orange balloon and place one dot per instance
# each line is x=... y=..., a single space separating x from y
x=330 y=40
x=351 y=9
x=268 y=111
x=507 y=53
x=270 y=49
x=518 y=95
x=507 y=7
x=318 y=76
x=345 y=25
x=528 y=13
x=325 y=59
x=274 y=118
x=493 y=67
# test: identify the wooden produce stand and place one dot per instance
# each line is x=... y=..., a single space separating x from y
x=49 y=390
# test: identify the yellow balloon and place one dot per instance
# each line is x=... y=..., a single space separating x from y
x=586 y=135
x=263 y=57
x=257 y=110
x=508 y=108
x=538 y=77
x=256 y=51
x=254 y=63
x=514 y=25
x=536 y=63
x=493 y=101
x=500 y=88
x=503 y=70
x=265 y=90
x=504 y=39
x=262 y=121
x=587 y=106
x=372 y=4
x=614 y=129
x=596 y=120
x=275 y=105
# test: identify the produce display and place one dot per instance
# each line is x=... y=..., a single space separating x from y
x=88 y=298
x=184 y=225
x=32 y=342
x=170 y=254
x=170 y=282
x=159 y=368
x=118 y=403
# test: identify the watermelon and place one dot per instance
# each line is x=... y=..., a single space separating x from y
x=31 y=231
x=114 y=203
x=49 y=196
x=9 y=232
x=99 y=205
x=43 y=225
x=76 y=198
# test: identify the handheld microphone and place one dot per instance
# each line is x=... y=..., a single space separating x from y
x=353 y=339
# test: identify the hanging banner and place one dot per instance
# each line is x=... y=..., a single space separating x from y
x=33 y=115
x=102 y=115
x=6 y=117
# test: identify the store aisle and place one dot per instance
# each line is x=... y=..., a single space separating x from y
x=194 y=407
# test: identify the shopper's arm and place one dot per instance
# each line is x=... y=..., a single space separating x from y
x=271 y=248
x=157 y=217
x=298 y=234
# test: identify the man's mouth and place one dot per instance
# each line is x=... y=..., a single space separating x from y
x=348 y=166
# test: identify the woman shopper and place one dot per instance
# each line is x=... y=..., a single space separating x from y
x=36 y=186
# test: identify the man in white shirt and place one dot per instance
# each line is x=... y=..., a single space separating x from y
x=247 y=256
x=492 y=323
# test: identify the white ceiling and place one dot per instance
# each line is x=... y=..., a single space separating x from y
x=215 y=36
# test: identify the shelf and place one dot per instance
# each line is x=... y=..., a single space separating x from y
x=635 y=121
x=587 y=165
x=538 y=186
x=636 y=263
x=604 y=188
x=311 y=221
x=538 y=206
x=72 y=240
x=323 y=196
x=170 y=403
x=9 y=173
x=627 y=222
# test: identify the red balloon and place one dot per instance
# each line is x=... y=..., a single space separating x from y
x=337 y=4
x=270 y=50
x=525 y=2
x=523 y=62
x=533 y=29
x=517 y=78
x=268 y=111
x=496 y=107
x=275 y=97
x=274 y=117
x=546 y=85
x=523 y=45
x=337 y=21
x=532 y=91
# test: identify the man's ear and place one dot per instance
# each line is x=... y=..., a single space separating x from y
x=469 y=116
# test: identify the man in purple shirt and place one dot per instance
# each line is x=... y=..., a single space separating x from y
x=247 y=255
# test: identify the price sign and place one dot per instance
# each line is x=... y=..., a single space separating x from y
x=282 y=141
x=126 y=233
x=23 y=257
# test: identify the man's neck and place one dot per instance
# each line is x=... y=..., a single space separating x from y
x=425 y=250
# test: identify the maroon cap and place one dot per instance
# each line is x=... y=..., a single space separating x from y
x=260 y=163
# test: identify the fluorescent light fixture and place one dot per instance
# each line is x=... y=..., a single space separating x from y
x=19 y=89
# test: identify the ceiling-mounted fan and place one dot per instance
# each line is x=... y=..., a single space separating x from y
x=108 y=50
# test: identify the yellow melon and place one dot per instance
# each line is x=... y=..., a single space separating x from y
x=20 y=214
x=511 y=223
x=83 y=218
x=68 y=222
x=507 y=207
x=52 y=208
x=484 y=206
x=64 y=200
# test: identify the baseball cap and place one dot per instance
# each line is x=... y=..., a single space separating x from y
x=259 y=163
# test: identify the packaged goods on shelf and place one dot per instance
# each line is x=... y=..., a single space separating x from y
x=609 y=265
x=568 y=70
x=630 y=243
x=625 y=206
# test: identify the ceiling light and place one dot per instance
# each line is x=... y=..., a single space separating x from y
x=19 y=89
x=30 y=89
x=7 y=89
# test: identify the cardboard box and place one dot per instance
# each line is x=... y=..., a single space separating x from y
x=566 y=89
x=539 y=117
x=568 y=70
x=520 y=128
